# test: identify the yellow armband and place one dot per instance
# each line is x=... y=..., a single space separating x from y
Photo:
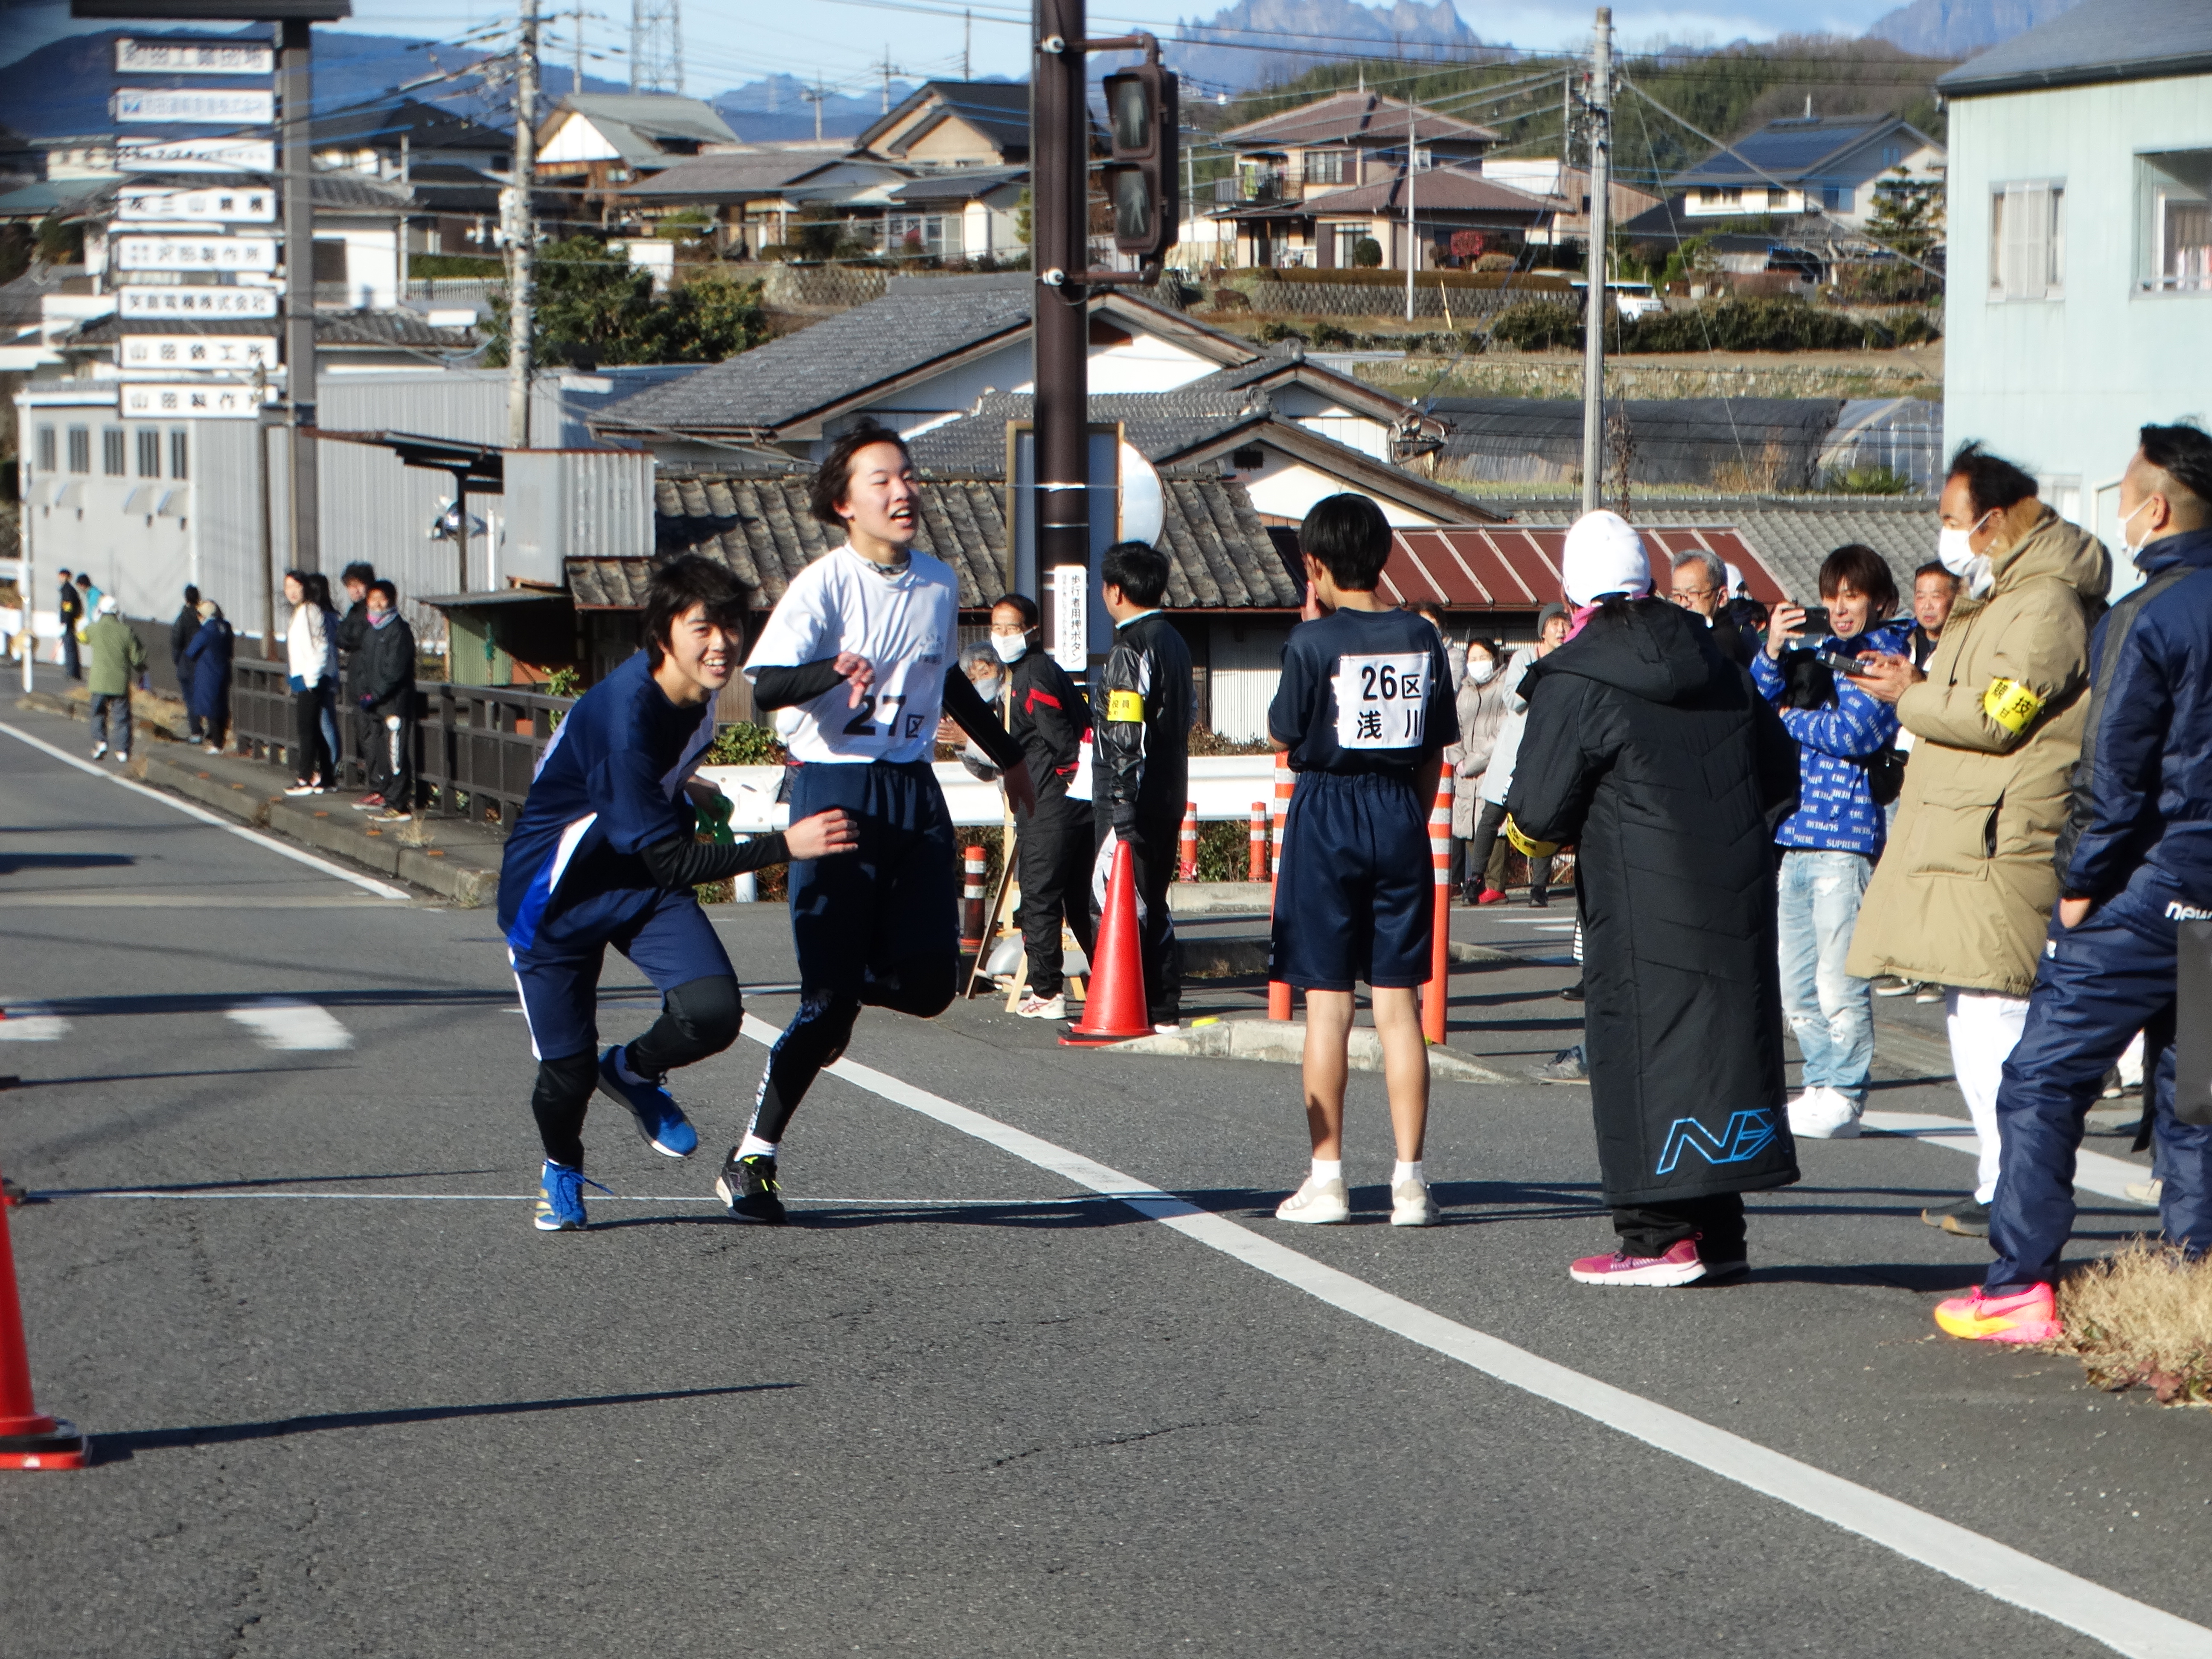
x=1125 y=706
x=1526 y=846
x=2011 y=704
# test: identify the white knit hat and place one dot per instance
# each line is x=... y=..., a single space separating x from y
x=1604 y=555
x=107 y=606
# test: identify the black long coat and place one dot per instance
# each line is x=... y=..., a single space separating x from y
x=1656 y=756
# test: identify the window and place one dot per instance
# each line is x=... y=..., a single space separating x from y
x=2174 y=221
x=1839 y=198
x=1892 y=154
x=179 y=451
x=2027 y=241
x=80 y=442
x=48 y=461
x=1324 y=166
x=150 y=452
x=937 y=235
x=113 y=452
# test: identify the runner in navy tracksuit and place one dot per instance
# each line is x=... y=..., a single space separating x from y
x=2135 y=862
x=603 y=852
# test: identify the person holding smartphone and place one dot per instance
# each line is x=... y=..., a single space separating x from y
x=1810 y=671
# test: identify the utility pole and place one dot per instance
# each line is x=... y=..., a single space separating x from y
x=521 y=237
x=967 y=40
x=815 y=97
x=1598 y=112
x=1060 y=254
x=295 y=92
x=576 y=50
x=1413 y=247
x=886 y=67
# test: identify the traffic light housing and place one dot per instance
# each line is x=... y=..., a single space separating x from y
x=1143 y=183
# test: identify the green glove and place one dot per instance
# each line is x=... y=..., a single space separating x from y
x=712 y=821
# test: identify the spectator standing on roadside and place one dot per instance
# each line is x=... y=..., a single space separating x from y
x=89 y=591
x=1484 y=700
x=69 y=606
x=1485 y=853
x=386 y=698
x=1455 y=651
x=208 y=658
x=1962 y=897
x=119 y=662
x=1935 y=591
x=319 y=588
x=307 y=648
x=1048 y=717
x=351 y=638
x=1654 y=754
x=1830 y=844
x=2134 y=859
x=180 y=635
x=1700 y=586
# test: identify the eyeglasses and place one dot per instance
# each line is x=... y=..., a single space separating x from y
x=1690 y=595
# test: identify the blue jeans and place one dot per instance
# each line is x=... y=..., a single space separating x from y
x=1830 y=1013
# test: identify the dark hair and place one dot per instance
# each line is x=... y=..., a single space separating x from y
x=687 y=580
x=84 y=579
x=1993 y=483
x=1350 y=537
x=319 y=588
x=1139 y=569
x=1866 y=570
x=1428 y=611
x=361 y=571
x=192 y=593
x=2183 y=453
x=1021 y=602
x=833 y=481
x=1935 y=567
x=64 y=571
x=390 y=589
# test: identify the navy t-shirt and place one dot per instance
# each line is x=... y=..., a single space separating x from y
x=1364 y=691
x=607 y=787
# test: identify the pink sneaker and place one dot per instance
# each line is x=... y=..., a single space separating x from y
x=2028 y=1316
x=1679 y=1266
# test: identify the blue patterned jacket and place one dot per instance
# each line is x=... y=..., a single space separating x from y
x=1836 y=811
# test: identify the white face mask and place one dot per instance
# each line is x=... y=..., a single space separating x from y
x=989 y=689
x=1955 y=548
x=1011 y=648
x=1479 y=670
x=2133 y=549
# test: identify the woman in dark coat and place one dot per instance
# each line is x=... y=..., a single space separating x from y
x=1655 y=756
x=207 y=661
x=180 y=635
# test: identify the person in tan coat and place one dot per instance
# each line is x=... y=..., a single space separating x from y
x=1963 y=896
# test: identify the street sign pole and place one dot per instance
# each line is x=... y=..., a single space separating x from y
x=1060 y=255
x=521 y=240
x=1600 y=117
x=295 y=90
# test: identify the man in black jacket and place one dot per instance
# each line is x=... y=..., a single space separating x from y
x=353 y=639
x=1048 y=717
x=70 y=608
x=382 y=671
x=180 y=635
x=1142 y=744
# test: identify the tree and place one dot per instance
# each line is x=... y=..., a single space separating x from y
x=1908 y=215
x=592 y=304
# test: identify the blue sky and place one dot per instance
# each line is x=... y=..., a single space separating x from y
x=730 y=41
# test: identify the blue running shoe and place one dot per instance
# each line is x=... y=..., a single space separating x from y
x=561 y=1198
x=660 y=1120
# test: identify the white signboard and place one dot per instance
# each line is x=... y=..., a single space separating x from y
x=196 y=253
x=1070 y=645
x=243 y=352
x=166 y=302
x=231 y=105
x=193 y=58
x=198 y=155
x=151 y=400
x=221 y=204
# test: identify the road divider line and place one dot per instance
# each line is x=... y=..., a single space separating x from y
x=286 y=1022
x=298 y=855
x=2120 y=1623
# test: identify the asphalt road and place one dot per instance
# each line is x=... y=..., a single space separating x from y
x=347 y=1400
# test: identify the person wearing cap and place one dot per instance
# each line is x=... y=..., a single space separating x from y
x=118 y=661
x=1485 y=853
x=1657 y=757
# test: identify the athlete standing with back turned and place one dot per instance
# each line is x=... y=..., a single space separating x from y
x=865 y=646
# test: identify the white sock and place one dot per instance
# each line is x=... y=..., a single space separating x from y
x=753 y=1146
x=1328 y=1169
x=1401 y=1172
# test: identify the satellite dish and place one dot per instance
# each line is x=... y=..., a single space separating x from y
x=1144 y=505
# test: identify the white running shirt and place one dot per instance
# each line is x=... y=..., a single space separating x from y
x=906 y=626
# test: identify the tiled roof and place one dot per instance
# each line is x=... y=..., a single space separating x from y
x=1000 y=110
x=638 y=124
x=959 y=187
x=1357 y=117
x=1440 y=190
x=1790 y=534
x=1677 y=440
x=1157 y=424
x=729 y=177
x=2110 y=40
x=1517 y=567
x=332 y=328
x=1788 y=149
x=427 y=127
x=1219 y=554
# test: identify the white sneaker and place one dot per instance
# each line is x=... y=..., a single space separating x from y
x=122 y=757
x=1823 y=1114
x=1034 y=1006
x=98 y=749
x=2146 y=1192
x=1319 y=1202
x=1411 y=1206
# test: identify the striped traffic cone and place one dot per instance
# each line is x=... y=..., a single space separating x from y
x=1437 y=994
x=29 y=1438
x=1279 y=994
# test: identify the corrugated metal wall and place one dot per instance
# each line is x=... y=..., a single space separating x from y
x=565 y=502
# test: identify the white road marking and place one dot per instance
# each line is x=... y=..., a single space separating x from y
x=2122 y=1624
x=33 y=1028
x=2095 y=1172
x=115 y=901
x=285 y=1023
x=382 y=889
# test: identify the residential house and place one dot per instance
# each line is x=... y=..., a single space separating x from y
x=749 y=200
x=954 y=126
x=1824 y=167
x=455 y=167
x=1568 y=188
x=596 y=145
x=2080 y=263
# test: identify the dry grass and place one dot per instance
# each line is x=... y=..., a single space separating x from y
x=2142 y=1317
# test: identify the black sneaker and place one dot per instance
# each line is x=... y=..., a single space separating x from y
x=1966 y=1219
x=748 y=1186
x=1573 y=992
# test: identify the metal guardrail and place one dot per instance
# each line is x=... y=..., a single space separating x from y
x=476 y=746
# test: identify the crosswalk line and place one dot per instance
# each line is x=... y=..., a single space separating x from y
x=282 y=1023
x=33 y=1028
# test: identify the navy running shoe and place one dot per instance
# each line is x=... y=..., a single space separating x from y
x=561 y=1198
x=660 y=1120
x=748 y=1186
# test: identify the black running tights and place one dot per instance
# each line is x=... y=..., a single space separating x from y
x=818 y=1034
x=697 y=1018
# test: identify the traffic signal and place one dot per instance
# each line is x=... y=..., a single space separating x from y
x=1142 y=182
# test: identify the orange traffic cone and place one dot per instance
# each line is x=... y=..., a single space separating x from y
x=1116 y=1009
x=29 y=1439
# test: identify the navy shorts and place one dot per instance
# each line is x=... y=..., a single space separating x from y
x=672 y=943
x=862 y=915
x=1357 y=896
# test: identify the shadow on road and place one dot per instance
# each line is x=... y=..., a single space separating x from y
x=15 y=863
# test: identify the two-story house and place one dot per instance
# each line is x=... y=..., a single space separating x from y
x=1827 y=167
x=595 y=145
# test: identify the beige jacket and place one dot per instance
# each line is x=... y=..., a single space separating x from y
x=1964 y=893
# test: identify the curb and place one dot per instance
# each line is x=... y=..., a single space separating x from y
x=1282 y=1042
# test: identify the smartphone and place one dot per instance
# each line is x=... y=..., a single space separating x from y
x=1816 y=620
x=1842 y=664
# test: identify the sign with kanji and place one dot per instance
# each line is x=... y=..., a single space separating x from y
x=179 y=302
x=197 y=156
x=208 y=400
x=1382 y=701
x=243 y=352
x=221 y=204
x=196 y=253
x=230 y=106
x=138 y=57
